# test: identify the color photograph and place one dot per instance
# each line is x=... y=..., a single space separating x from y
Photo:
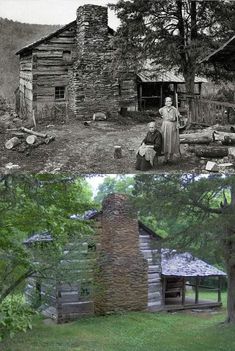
x=117 y=175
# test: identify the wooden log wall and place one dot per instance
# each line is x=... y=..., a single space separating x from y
x=50 y=65
x=26 y=87
x=151 y=251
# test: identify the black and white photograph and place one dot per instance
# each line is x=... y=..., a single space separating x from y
x=82 y=82
x=117 y=175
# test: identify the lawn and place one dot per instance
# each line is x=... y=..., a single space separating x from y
x=181 y=331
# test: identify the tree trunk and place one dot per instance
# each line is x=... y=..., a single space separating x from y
x=15 y=285
x=231 y=294
x=230 y=257
x=189 y=77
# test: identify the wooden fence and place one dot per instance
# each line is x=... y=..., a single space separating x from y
x=211 y=112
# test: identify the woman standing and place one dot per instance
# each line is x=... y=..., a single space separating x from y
x=169 y=130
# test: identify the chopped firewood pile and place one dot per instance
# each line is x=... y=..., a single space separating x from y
x=214 y=145
x=18 y=137
x=24 y=139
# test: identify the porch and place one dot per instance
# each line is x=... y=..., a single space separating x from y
x=184 y=295
x=189 y=283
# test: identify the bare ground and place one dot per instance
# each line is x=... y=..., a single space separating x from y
x=82 y=149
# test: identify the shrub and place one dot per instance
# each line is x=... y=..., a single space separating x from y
x=15 y=316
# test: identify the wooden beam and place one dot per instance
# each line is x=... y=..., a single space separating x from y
x=196 y=290
x=161 y=94
x=183 y=291
x=163 y=290
x=200 y=89
x=219 y=289
x=141 y=94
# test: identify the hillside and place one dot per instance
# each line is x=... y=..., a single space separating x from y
x=15 y=35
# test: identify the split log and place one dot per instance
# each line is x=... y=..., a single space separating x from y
x=223 y=136
x=203 y=137
x=211 y=151
x=10 y=144
x=29 y=131
x=31 y=139
x=117 y=151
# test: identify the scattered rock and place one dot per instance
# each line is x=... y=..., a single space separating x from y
x=11 y=166
x=99 y=116
x=212 y=167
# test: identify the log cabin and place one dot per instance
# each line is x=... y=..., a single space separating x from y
x=70 y=72
x=121 y=267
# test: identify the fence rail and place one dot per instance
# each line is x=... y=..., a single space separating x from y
x=211 y=112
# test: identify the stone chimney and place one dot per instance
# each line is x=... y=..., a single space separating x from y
x=122 y=277
x=94 y=87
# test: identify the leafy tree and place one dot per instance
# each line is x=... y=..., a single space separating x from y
x=173 y=33
x=119 y=184
x=199 y=212
x=31 y=204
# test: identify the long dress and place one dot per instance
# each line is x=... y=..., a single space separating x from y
x=144 y=160
x=170 y=133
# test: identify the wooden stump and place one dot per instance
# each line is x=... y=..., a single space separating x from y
x=117 y=151
x=10 y=144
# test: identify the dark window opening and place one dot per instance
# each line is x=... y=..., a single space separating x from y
x=66 y=55
x=85 y=290
x=59 y=93
x=91 y=247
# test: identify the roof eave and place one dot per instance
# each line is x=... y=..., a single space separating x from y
x=214 y=53
x=47 y=37
x=30 y=47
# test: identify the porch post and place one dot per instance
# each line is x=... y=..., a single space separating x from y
x=200 y=89
x=161 y=94
x=183 y=292
x=163 y=290
x=175 y=91
x=141 y=94
x=219 y=288
x=196 y=290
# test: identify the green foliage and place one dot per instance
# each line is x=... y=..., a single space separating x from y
x=193 y=211
x=15 y=316
x=14 y=36
x=119 y=184
x=32 y=204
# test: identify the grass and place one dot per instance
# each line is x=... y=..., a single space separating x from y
x=181 y=331
x=208 y=295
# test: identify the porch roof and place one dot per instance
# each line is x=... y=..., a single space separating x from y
x=152 y=76
x=186 y=265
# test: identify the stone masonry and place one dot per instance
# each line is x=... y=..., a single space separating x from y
x=95 y=87
x=122 y=276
